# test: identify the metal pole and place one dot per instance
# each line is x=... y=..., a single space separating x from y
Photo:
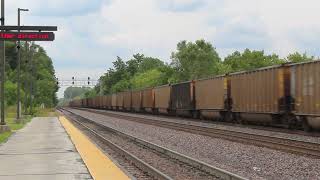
x=31 y=78
x=3 y=62
x=72 y=88
x=19 y=68
x=19 y=58
x=26 y=79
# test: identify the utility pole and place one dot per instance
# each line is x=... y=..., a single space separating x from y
x=3 y=126
x=31 y=78
x=18 y=120
x=26 y=78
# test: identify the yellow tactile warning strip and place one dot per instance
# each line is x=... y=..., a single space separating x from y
x=99 y=165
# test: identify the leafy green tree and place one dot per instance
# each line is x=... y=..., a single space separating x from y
x=72 y=92
x=191 y=60
x=10 y=93
x=43 y=78
x=43 y=94
x=11 y=55
x=169 y=74
x=134 y=63
x=119 y=77
x=249 y=60
x=150 y=63
x=297 y=57
x=195 y=60
x=89 y=94
x=149 y=78
x=114 y=75
x=121 y=85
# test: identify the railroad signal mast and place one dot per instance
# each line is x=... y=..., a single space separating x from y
x=77 y=82
x=18 y=33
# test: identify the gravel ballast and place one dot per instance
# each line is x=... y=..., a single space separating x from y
x=224 y=127
x=245 y=160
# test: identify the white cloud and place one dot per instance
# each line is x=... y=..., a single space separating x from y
x=92 y=33
x=141 y=26
x=285 y=20
x=56 y=7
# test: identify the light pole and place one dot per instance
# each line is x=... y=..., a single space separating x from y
x=3 y=126
x=26 y=78
x=19 y=62
x=31 y=78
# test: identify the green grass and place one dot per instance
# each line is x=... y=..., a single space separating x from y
x=13 y=127
x=4 y=136
x=10 y=120
x=48 y=112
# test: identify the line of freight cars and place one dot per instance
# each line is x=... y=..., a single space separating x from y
x=286 y=95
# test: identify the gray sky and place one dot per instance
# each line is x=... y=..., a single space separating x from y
x=93 y=32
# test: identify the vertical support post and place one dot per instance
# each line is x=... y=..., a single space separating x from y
x=31 y=78
x=19 y=58
x=26 y=78
x=18 y=81
x=72 y=88
x=19 y=69
x=3 y=56
x=2 y=76
x=3 y=126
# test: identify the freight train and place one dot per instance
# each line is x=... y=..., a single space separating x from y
x=285 y=95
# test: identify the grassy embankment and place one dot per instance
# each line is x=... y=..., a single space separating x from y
x=10 y=120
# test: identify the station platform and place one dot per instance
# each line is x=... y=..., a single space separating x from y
x=49 y=149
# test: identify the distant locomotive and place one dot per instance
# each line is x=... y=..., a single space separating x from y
x=286 y=95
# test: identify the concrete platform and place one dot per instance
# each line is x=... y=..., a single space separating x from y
x=99 y=164
x=42 y=150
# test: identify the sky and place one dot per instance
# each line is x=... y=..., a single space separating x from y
x=92 y=33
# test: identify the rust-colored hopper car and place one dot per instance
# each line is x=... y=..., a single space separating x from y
x=147 y=100
x=305 y=90
x=127 y=100
x=120 y=100
x=212 y=100
x=259 y=95
x=136 y=101
x=182 y=98
x=162 y=99
x=285 y=95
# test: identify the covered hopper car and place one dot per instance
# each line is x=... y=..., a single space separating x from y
x=284 y=95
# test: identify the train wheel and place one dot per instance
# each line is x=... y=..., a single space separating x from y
x=201 y=116
x=227 y=117
x=195 y=114
x=305 y=125
x=238 y=119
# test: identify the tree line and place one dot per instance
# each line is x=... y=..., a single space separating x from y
x=37 y=75
x=191 y=60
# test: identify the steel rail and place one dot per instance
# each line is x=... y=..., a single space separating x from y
x=278 y=143
x=215 y=171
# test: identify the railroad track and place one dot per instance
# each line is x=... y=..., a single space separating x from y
x=278 y=143
x=158 y=162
